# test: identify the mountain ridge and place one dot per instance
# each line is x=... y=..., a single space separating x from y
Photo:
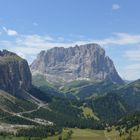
x=15 y=75
x=83 y=62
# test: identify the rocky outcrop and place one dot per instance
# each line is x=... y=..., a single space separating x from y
x=15 y=75
x=84 y=62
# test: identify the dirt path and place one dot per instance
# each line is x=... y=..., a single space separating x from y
x=41 y=105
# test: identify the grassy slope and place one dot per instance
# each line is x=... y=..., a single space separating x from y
x=88 y=89
x=88 y=112
x=40 y=82
x=55 y=137
x=110 y=107
x=115 y=135
x=80 y=89
x=88 y=134
x=74 y=85
x=131 y=94
x=12 y=104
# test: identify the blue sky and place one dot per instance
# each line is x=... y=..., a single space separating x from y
x=29 y=26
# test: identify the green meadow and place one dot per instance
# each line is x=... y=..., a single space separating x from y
x=86 y=134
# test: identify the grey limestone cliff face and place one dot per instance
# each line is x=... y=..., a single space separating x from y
x=84 y=62
x=15 y=75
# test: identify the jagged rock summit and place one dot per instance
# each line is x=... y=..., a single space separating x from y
x=15 y=75
x=81 y=62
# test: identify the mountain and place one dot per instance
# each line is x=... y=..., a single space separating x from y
x=35 y=107
x=110 y=107
x=131 y=94
x=88 y=89
x=40 y=82
x=15 y=75
x=13 y=104
x=85 y=62
x=49 y=108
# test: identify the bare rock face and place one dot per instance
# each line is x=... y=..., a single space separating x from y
x=15 y=75
x=84 y=62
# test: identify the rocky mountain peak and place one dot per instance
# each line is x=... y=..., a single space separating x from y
x=81 y=62
x=15 y=75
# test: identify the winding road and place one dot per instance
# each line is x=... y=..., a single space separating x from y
x=20 y=114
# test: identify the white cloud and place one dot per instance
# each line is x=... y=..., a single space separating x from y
x=133 y=55
x=120 y=39
x=33 y=40
x=131 y=72
x=28 y=46
x=61 y=39
x=133 y=66
x=10 y=32
x=115 y=6
x=33 y=44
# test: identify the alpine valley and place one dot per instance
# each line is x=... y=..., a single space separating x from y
x=71 y=93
